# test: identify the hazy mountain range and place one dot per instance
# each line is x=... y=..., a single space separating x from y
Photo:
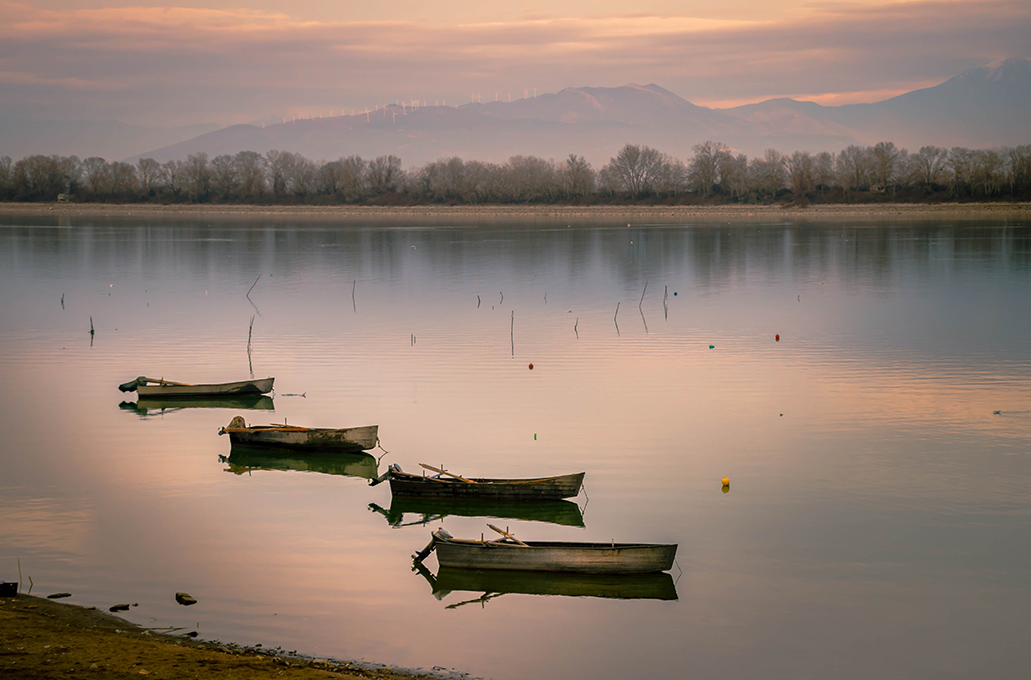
x=986 y=107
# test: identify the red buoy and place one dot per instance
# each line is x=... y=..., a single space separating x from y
x=531 y=367
x=777 y=337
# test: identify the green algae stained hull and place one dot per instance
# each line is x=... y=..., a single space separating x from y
x=232 y=389
x=545 y=488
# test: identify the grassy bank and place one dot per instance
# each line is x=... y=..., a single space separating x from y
x=44 y=639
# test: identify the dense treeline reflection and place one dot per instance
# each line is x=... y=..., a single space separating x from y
x=714 y=255
x=637 y=174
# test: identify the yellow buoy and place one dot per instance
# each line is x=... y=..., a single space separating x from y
x=726 y=481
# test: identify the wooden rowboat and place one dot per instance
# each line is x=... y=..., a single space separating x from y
x=510 y=553
x=349 y=439
x=448 y=485
x=166 y=388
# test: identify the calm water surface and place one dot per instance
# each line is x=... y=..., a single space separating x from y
x=877 y=523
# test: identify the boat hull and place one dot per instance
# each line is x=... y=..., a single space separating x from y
x=582 y=558
x=346 y=440
x=549 y=488
x=233 y=389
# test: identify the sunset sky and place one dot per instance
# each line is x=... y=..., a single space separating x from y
x=155 y=63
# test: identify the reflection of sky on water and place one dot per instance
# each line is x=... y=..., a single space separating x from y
x=877 y=527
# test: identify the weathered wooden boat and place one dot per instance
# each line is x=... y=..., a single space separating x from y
x=244 y=460
x=509 y=553
x=413 y=510
x=162 y=388
x=149 y=406
x=650 y=586
x=447 y=485
x=349 y=439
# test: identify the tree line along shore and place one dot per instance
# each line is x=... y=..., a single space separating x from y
x=637 y=175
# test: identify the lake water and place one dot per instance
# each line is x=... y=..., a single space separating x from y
x=877 y=523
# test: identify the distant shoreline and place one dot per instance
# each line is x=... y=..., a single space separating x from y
x=663 y=212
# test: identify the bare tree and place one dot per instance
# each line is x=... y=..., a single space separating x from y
x=854 y=168
x=576 y=176
x=707 y=165
x=174 y=172
x=6 y=173
x=801 y=173
x=734 y=175
x=96 y=171
x=384 y=174
x=671 y=179
x=823 y=170
x=633 y=169
x=148 y=171
x=531 y=179
x=961 y=162
x=769 y=173
x=198 y=176
x=122 y=179
x=1020 y=169
x=225 y=175
x=929 y=164
x=250 y=170
x=279 y=165
x=885 y=164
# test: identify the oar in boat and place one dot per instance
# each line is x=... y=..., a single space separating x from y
x=508 y=536
x=445 y=472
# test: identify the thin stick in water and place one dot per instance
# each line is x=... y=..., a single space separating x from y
x=91 y=325
x=574 y=328
x=354 y=304
x=642 y=293
x=477 y=302
x=614 y=318
x=252 y=286
x=502 y=297
x=512 y=333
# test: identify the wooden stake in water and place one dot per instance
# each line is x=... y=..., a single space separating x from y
x=512 y=333
x=91 y=325
x=354 y=304
x=614 y=318
x=248 y=296
x=574 y=328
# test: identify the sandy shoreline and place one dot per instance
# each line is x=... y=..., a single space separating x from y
x=639 y=213
x=42 y=638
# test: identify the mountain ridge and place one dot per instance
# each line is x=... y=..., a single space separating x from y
x=983 y=107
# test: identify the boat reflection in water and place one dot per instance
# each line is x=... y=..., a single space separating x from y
x=565 y=513
x=153 y=406
x=494 y=583
x=243 y=460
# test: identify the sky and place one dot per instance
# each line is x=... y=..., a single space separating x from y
x=159 y=64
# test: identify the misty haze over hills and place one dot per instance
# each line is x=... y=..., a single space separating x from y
x=985 y=107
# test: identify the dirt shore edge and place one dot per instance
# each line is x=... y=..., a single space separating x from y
x=818 y=211
x=44 y=639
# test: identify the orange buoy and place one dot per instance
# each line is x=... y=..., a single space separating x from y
x=531 y=366
x=777 y=337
